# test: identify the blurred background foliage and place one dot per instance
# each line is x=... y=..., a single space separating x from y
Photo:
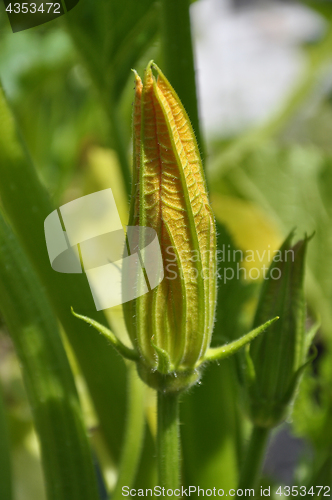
x=70 y=88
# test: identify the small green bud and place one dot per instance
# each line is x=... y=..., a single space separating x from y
x=276 y=360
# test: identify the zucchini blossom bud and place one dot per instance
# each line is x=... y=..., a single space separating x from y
x=171 y=325
x=276 y=360
x=170 y=312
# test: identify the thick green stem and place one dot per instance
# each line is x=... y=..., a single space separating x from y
x=168 y=440
x=178 y=54
x=251 y=467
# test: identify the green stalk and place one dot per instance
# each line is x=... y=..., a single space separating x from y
x=5 y=458
x=178 y=55
x=66 y=454
x=252 y=465
x=168 y=440
x=134 y=434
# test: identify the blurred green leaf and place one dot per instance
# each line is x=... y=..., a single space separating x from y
x=312 y=420
x=147 y=471
x=43 y=78
x=323 y=7
x=210 y=430
x=293 y=185
x=66 y=454
x=178 y=58
x=134 y=436
x=27 y=204
x=5 y=455
x=323 y=476
x=111 y=36
x=233 y=294
x=236 y=151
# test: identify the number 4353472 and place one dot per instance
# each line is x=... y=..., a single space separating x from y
x=25 y=8
x=293 y=491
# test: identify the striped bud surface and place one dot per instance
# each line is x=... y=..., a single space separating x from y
x=171 y=325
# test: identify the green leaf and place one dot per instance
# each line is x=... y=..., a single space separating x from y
x=233 y=293
x=211 y=453
x=312 y=414
x=323 y=7
x=27 y=204
x=292 y=185
x=66 y=454
x=111 y=36
x=322 y=476
x=147 y=472
x=211 y=430
x=178 y=57
x=54 y=89
x=5 y=455
x=134 y=436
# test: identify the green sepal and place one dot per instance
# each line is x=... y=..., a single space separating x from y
x=125 y=351
x=176 y=381
x=250 y=372
x=269 y=413
x=297 y=375
x=310 y=335
x=278 y=355
x=224 y=351
x=164 y=362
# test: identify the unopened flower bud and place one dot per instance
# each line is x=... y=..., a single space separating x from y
x=171 y=325
x=276 y=359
